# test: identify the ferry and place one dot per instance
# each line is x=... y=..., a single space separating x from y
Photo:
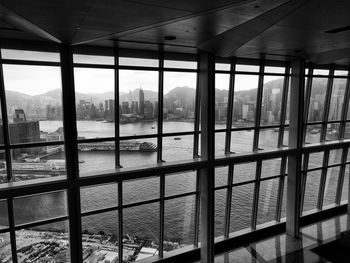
x=123 y=146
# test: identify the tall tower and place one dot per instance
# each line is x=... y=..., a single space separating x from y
x=141 y=102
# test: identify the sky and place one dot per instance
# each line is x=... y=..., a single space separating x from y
x=35 y=80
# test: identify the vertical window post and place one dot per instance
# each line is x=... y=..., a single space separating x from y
x=207 y=86
x=295 y=142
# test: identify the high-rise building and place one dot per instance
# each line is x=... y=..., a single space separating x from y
x=141 y=102
x=148 y=110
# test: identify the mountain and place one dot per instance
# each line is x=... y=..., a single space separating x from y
x=134 y=95
x=184 y=94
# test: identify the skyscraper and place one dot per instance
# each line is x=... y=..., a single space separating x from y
x=141 y=102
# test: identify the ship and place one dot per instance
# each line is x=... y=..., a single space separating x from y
x=123 y=146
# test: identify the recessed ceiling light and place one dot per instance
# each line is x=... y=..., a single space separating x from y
x=170 y=37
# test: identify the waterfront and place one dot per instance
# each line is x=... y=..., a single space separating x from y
x=143 y=221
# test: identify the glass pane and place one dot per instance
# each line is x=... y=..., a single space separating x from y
x=271 y=167
x=34 y=103
x=222 y=66
x=221 y=174
x=142 y=224
x=179 y=216
x=311 y=190
x=220 y=208
x=345 y=191
x=140 y=190
x=38 y=162
x=3 y=214
x=244 y=106
x=220 y=143
x=271 y=100
x=335 y=156
x=313 y=134
x=332 y=131
x=39 y=207
x=5 y=248
x=98 y=197
x=241 y=208
x=317 y=99
x=177 y=148
x=136 y=153
x=179 y=101
x=30 y=55
x=347 y=130
x=267 y=201
x=92 y=59
x=268 y=69
x=222 y=84
x=180 y=183
x=331 y=185
x=284 y=200
x=3 y=171
x=96 y=157
x=321 y=72
x=242 y=141
x=46 y=243
x=244 y=172
x=340 y=73
x=138 y=62
x=94 y=92
x=268 y=139
x=138 y=99
x=180 y=64
x=248 y=68
x=315 y=160
x=337 y=99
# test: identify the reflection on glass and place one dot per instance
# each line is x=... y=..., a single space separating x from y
x=317 y=99
x=242 y=141
x=345 y=191
x=267 y=201
x=332 y=132
x=180 y=64
x=98 y=197
x=269 y=69
x=30 y=55
x=39 y=207
x=38 y=162
x=141 y=62
x=222 y=66
x=180 y=183
x=142 y=228
x=330 y=189
x=3 y=214
x=46 y=243
x=177 y=148
x=221 y=174
x=179 y=217
x=315 y=160
x=337 y=99
x=271 y=167
x=311 y=190
x=93 y=59
x=138 y=102
x=222 y=84
x=5 y=249
x=313 y=134
x=136 y=153
x=244 y=172
x=140 y=190
x=244 y=105
x=220 y=143
x=335 y=156
x=3 y=170
x=271 y=100
x=321 y=72
x=34 y=103
x=94 y=92
x=100 y=237
x=268 y=139
x=220 y=208
x=247 y=68
x=97 y=157
x=241 y=208
x=284 y=200
x=179 y=101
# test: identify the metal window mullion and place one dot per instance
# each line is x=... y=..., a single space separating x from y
x=160 y=107
x=228 y=201
x=71 y=151
x=230 y=107
x=327 y=105
x=258 y=106
x=120 y=221
x=5 y=125
x=307 y=100
x=280 y=190
x=341 y=176
x=345 y=107
x=197 y=210
x=116 y=108
x=256 y=195
x=196 y=118
x=283 y=107
x=323 y=180
x=303 y=181
x=161 y=215
x=12 y=229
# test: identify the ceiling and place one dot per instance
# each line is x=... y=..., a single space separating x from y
x=276 y=29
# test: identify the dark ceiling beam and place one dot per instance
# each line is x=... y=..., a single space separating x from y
x=331 y=56
x=23 y=24
x=115 y=36
x=226 y=43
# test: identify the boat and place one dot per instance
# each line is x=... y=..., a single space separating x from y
x=314 y=131
x=123 y=146
x=177 y=138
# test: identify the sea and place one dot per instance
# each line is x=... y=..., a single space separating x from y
x=179 y=213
